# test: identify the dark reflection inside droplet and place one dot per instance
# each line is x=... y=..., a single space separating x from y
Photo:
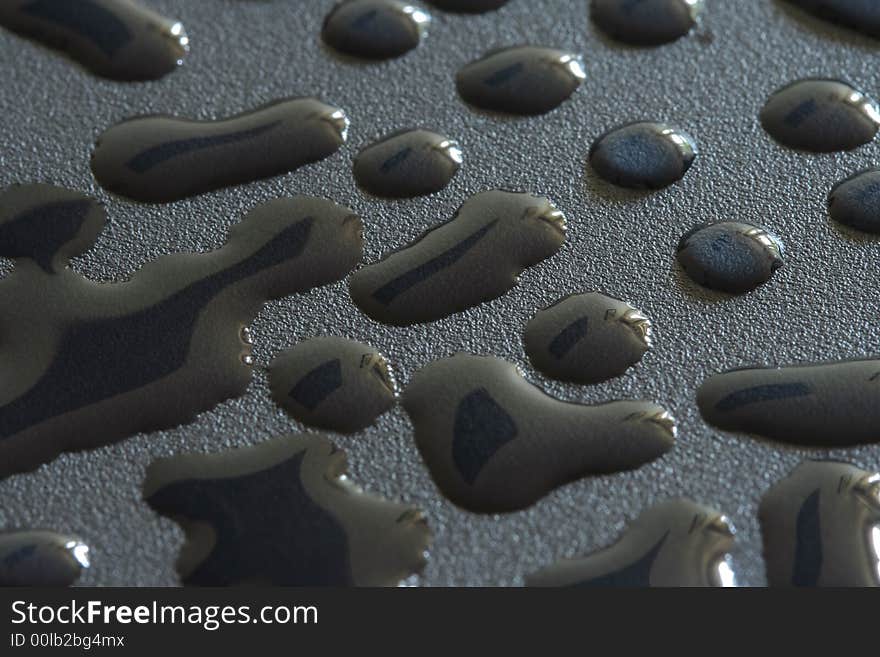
x=116 y=39
x=855 y=202
x=524 y=80
x=643 y=155
x=374 y=29
x=41 y=558
x=730 y=256
x=821 y=116
x=645 y=22
x=407 y=164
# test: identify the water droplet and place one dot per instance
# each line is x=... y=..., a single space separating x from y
x=468 y=6
x=493 y=442
x=407 y=164
x=643 y=155
x=646 y=22
x=283 y=514
x=115 y=39
x=832 y=404
x=524 y=80
x=41 y=558
x=730 y=256
x=821 y=527
x=675 y=543
x=473 y=258
x=820 y=116
x=246 y=336
x=59 y=327
x=333 y=383
x=855 y=202
x=248 y=360
x=861 y=15
x=587 y=338
x=374 y=29
x=158 y=159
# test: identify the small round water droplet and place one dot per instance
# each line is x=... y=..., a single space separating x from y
x=855 y=202
x=246 y=336
x=524 y=80
x=407 y=164
x=247 y=359
x=730 y=256
x=374 y=29
x=587 y=338
x=468 y=6
x=861 y=15
x=646 y=22
x=821 y=116
x=643 y=155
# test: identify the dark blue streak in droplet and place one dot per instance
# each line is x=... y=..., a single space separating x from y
x=315 y=386
x=481 y=428
x=86 y=18
x=757 y=394
x=808 y=550
x=635 y=575
x=569 y=337
x=152 y=157
x=504 y=75
x=390 y=291
x=395 y=159
x=800 y=113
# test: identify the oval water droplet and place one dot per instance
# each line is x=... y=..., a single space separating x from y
x=821 y=527
x=158 y=159
x=468 y=6
x=283 y=513
x=116 y=39
x=407 y=164
x=587 y=338
x=646 y=22
x=831 y=404
x=41 y=558
x=524 y=80
x=730 y=256
x=493 y=442
x=855 y=202
x=675 y=543
x=820 y=116
x=333 y=383
x=861 y=15
x=472 y=258
x=374 y=29
x=643 y=155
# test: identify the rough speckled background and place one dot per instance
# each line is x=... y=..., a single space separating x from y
x=823 y=304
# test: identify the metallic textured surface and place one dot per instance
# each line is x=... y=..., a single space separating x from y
x=823 y=304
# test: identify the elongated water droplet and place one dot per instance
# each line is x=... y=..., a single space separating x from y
x=474 y=257
x=643 y=155
x=158 y=159
x=861 y=15
x=523 y=80
x=834 y=404
x=646 y=22
x=41 y=558
x=115 y=39
x=821 y=116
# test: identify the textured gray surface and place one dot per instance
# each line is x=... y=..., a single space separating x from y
x=823 y=304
